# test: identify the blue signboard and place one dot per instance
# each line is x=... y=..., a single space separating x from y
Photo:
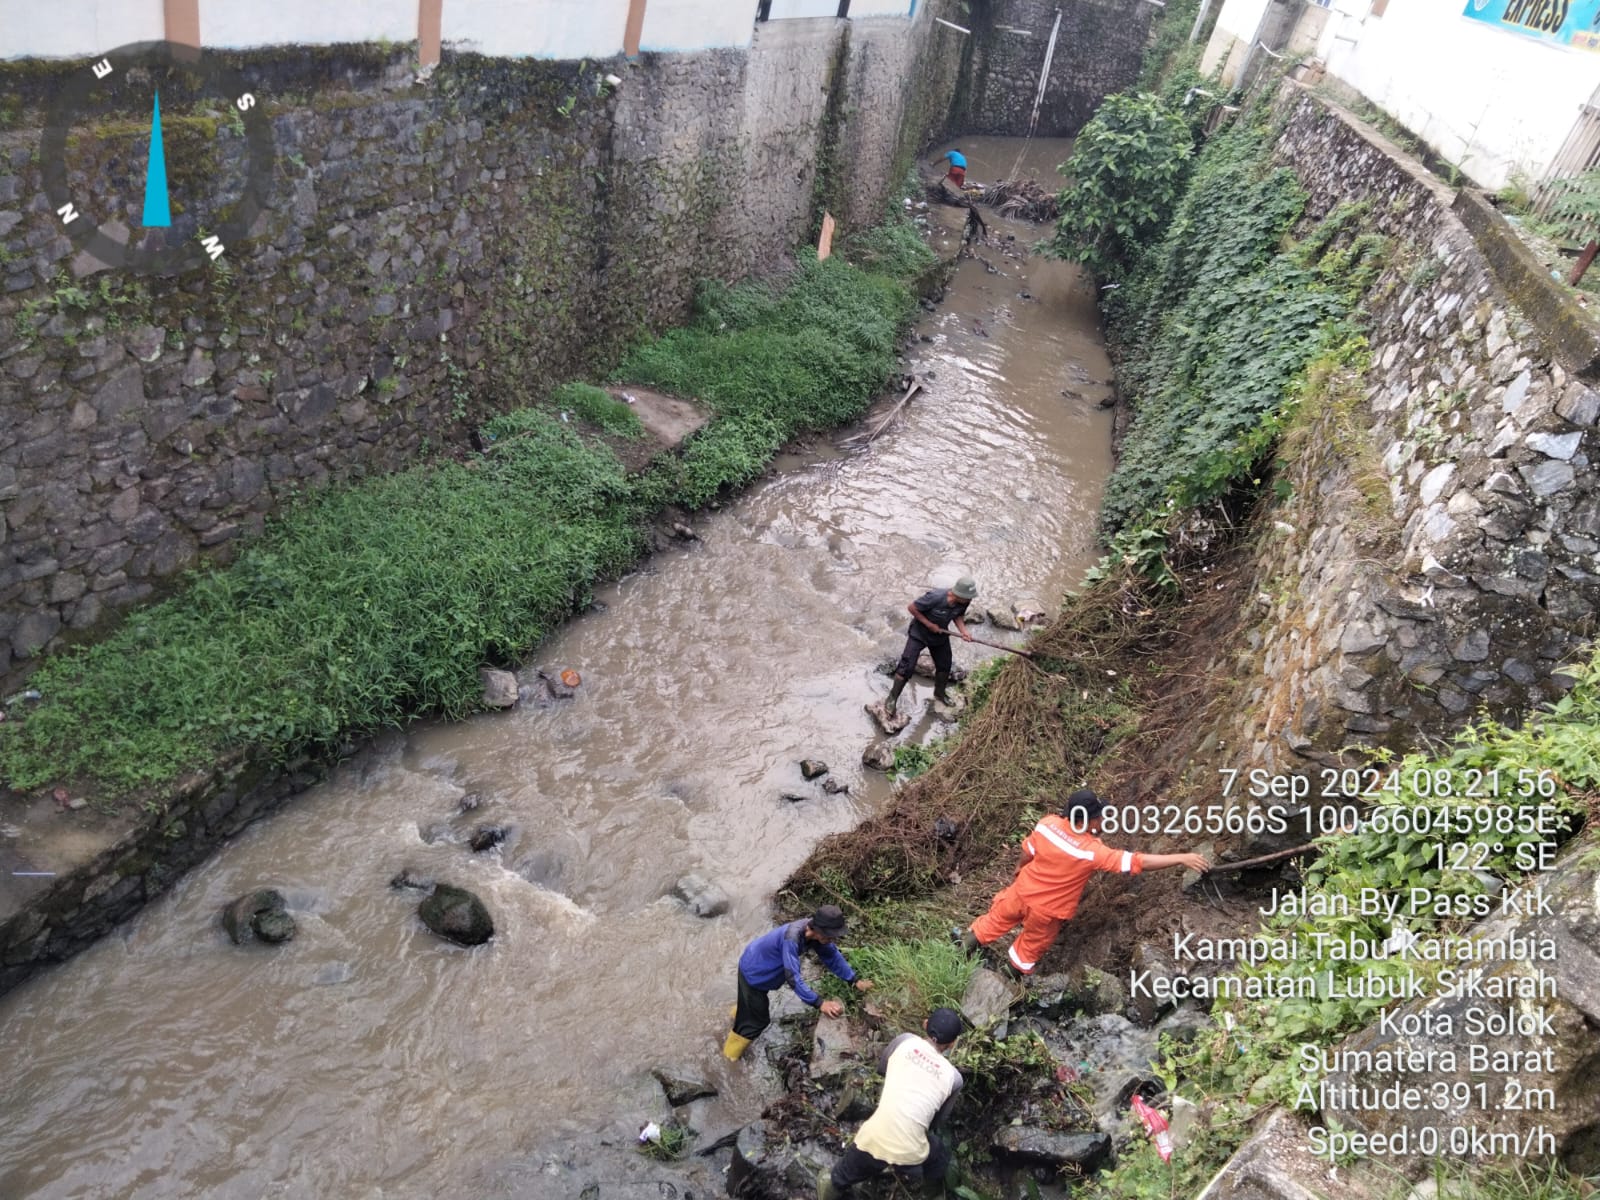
x=1565 y=22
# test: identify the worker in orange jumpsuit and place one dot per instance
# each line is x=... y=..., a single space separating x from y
x=1057 y=859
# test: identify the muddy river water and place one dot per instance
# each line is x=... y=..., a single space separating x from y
x=369 y=1059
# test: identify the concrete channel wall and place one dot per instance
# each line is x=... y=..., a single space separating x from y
x=1099 y=49
x=465 y=228
x=1441 y=552
x=435 y=252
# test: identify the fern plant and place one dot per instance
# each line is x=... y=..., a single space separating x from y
x=1575 y=205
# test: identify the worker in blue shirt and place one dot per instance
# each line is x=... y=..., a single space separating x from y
x=958 y=167
x=773 y=959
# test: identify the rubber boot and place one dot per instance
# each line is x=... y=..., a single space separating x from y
x=825 y=1187
x=894 y=695
x=734 y=1046
x=940 y=679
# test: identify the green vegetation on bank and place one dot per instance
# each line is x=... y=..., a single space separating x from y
x=599 y=407
x=367 y=605
x=773 y=366
x=1216 y=317
x=1216 y=327
x=1241 y=1067
x=1127 y=169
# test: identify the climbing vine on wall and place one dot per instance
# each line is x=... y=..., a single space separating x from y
x=1216 y=324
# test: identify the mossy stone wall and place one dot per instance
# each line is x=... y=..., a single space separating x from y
x=1439 y=553
x=434 y=252
x=1099 y=50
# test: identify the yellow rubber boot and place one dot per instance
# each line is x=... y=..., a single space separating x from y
x=734 y=1046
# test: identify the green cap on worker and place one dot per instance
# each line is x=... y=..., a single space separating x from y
x=966 y=587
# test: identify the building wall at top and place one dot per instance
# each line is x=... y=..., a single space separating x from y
x=550 y=29
x=69 y=28
x=786 y=9
x=1494 y=102
x=1236 y=26
x=498 y=28
x=880 y=8
x=1099 y=50
x=686 y=25
x=230 y=24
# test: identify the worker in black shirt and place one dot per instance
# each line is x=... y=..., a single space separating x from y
x=931 y=615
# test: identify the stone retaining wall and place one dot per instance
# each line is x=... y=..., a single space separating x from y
x=1099 y=50
x=435 y=252
x=140 y=860
x=1439 y=554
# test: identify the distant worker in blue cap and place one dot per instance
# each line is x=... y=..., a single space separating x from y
x=958 y=167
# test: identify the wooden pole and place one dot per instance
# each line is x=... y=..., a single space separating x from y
x=1583 y=262
x=1264 y=859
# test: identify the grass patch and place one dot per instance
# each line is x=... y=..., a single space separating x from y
x=910 y=978
x=369 y=605
x=359 y=609
x=672 y=1145
x=598 y=407
x=772 y=366
x=1520 y=1181
x=895 y=249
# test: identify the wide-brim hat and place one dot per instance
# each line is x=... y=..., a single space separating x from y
x=966 y=587
x=828 y=920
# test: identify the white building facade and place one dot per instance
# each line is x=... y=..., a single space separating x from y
x=1506 y=90
x=557 y=29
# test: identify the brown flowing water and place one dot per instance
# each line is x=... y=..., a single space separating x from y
x=369 y=1059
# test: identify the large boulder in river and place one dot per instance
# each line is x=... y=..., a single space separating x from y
x=702 y=897
x=273 y=926
x=499 y=687
x=766 y=1163
x=487 y=837
x=458 y=915
x=682 y=1089
x=261 y=912
x=878 y=755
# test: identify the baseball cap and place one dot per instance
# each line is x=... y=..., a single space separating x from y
x=1082 y=807
x=829 y=920
x=944 y=1025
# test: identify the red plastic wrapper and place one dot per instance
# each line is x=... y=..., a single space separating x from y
x=1155 y=1125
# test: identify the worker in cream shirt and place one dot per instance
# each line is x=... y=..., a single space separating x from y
x=919 y=1089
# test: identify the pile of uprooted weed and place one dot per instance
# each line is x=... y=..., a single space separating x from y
x=1022 y=198
x=1037 y=731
